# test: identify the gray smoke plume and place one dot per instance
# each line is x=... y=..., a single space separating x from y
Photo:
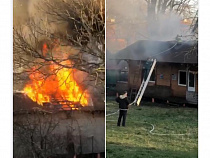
x=26 y=10
x=134 y=21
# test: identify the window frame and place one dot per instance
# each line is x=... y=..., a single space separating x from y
x=184 y=85
x=126 y=72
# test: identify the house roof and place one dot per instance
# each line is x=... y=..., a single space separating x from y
x=163 y=51
x=22 y=102
x=113 y=64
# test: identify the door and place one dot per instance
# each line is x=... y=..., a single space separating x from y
x=191 y=81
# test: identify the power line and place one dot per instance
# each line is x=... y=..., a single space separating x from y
x=165 y=50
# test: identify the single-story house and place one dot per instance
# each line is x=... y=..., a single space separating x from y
x=85 y=127
x=175 y=76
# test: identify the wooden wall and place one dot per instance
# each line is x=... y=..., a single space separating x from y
x=177 y=90
x=164 y=79
x=163 y=74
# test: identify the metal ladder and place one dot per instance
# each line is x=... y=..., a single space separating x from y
x=144 y=85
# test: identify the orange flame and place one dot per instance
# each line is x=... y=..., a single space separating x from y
x=59 y=86
x=44 y=49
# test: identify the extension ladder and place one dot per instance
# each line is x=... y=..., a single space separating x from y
x=144 y=85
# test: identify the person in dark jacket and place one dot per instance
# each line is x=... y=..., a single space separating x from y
x=147 y=66
x=123 y=106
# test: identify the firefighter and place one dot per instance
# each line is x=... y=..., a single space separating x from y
x=123 y=107
x=147 y=66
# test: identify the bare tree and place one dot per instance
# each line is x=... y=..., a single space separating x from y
x=36 y=135
x=182 y=7
x=155 y=19
x=70 y=34
x=157 y=8
x=85 y=33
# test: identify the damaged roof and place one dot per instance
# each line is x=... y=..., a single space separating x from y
x=113 y=64
x=163 y=51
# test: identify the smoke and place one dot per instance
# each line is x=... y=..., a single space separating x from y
x=33 y=10
x=134 y=21
x=129 y=22
x=20 y=12
x=29 y=10
x=167 y=27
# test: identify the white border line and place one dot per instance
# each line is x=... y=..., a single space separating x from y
x=105 y=80
x=6 y=83
x=204 y=73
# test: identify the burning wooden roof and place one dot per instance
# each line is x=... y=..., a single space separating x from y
x=163 y=51
x=22 y=103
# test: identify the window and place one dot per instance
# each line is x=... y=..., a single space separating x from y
x=124 y=76
x=152 y=77
x=182 y=80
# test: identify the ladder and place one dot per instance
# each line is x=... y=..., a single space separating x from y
x=144 y=85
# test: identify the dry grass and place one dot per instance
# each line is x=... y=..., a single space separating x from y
x=135 y=141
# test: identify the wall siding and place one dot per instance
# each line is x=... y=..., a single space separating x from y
x=177 y=90
x=133 y=68
x=164 y=73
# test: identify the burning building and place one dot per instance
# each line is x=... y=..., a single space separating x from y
x=175 y=77
x=55 y=101
x=58 y=78
x=56 y=133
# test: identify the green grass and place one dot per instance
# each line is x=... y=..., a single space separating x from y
x=135 y=141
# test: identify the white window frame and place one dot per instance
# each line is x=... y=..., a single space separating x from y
x=184 y=85
x=191 y=89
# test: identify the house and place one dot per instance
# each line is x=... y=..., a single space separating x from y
x=175 y=76
x=85 y=128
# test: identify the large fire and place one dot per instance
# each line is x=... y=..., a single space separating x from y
x=60 y=85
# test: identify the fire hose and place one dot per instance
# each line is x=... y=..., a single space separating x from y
x=164 y=50
x=116 y=112
x=153 y=127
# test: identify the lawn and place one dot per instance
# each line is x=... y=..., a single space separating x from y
x=136 y=141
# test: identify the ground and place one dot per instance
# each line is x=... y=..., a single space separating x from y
x=136 y=141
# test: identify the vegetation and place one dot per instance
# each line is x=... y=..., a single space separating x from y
x=135 y=140
x=66 y=35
